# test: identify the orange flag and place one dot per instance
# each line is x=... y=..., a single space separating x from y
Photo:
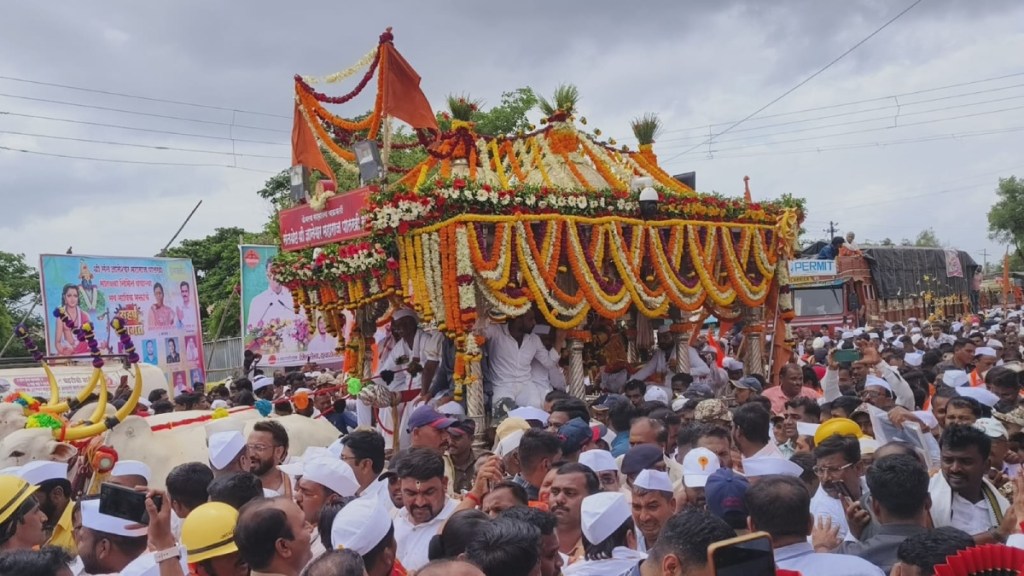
x=403 y=98
x=305 y=150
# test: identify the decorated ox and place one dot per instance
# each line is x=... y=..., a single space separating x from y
x=160 y=443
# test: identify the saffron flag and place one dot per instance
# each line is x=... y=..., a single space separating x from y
x=305 y=150
x=403 y=98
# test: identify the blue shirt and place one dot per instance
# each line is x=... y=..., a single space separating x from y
x=828 y=253
x=620 y=445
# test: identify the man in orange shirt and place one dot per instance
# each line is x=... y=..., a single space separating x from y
x=791 y=385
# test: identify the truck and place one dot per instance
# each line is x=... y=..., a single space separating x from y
x=881 y=284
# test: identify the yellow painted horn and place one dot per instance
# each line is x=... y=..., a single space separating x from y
x=101 y=407
x=90 y=430
x=54 y=407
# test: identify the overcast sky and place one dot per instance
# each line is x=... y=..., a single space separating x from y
x=915 y=152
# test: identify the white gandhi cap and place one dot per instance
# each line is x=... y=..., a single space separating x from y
x=360 y=526
x=602 y=514
x=654 y=480
x=225 y=447
x=94 y=520
x=132 y=468
x=599 y=461
x=333 y=474
x=770 y=465
x=39 y=471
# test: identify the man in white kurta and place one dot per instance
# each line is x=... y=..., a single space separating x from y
x=511 y=349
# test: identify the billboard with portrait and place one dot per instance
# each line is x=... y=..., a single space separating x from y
x=270 y=324
x=155 y=296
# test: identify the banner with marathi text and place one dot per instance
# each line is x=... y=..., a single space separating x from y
x=155 y=296
x=270 y=325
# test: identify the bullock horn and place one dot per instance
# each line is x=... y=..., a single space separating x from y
x=60 y=408
x=103 y=424
x=101 y=407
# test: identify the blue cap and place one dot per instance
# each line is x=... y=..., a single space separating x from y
x=748 y=383
x=699 y=392
x=574 y=435
x=428 y=416
x=724 y=492
x=641 y=457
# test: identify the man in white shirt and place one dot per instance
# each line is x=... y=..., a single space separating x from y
x=751 y=432
x=511 y=349
x=659 y=370
x=324 y=480
x=267 y=447
x=779 y=506
x=186 y=313
x=839 y=469
x=426 y=505
x=274 y=303
x=364 y=527
x=409 y=359
x=546 y=378
x=123 y=546
x=962 y=497
x=321 y=344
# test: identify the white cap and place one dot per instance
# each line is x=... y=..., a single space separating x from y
x=858 y=331
x=991 y=427
x=530 y=413
x=656 y=394
x=602 y=514
x=698 y=464
x=847 y=335
x=806 y=428
x=145 y=402
x=599 y=461
x=132 y=468
x=868 y=445
x=658 y=480
x=872 y=335
x=993 y=343
x=331 y=473
x=262 y=382
x=887 y=334
x=770 y=465
x=39 y=471
x=335 y=448
x=451 y=409
x=732 y=364
x=913 y=359
x=510 y=443
x=678 y=404
x=218 y=403
x=306 y=391
x=94 y=520
x=980 y=394
x=915 y=330
x=541 y=329
x=873 y=380
x=818 y=343
x=293 y=467
x=360 y=526
x=404 y=313
x=955 y=378
x=225 y=447
x=956 y=326
x=986 y=351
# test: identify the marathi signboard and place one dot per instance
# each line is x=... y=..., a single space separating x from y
x=270 y=324
x=341 y=219
x=155 y=296
x=798 y=268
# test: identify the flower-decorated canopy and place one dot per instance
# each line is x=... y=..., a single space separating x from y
x=549 y=218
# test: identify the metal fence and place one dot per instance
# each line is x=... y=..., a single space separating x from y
x=223 y=358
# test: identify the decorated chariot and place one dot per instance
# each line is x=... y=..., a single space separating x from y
x=589 y=234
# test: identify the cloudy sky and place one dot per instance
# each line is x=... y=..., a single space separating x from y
x=911 y=130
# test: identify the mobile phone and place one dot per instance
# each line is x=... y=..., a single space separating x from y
x=125 y=503
x=847 y=356
x=749 y=555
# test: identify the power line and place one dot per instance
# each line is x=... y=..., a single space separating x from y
x=897 y=106
x=137 y=129
x=855 y=102
x=805 y=81
x=866 y=130
x=150 y=114
x=143 y=162
x=148 y=146
x=138 y=97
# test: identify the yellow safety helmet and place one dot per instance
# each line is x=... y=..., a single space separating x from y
x=840 y=426
x=13 y=491
x=209 y=532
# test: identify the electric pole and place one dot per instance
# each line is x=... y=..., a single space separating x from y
x=832 y=228
x=984 y=254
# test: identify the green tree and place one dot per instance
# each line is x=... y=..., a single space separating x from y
x=1006 y=217
x=509 y=117
x=218 y=267
x=19 y=291
x=927 y=239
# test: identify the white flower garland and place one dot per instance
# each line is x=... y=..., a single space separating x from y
x=343 y=74
x=526 y=257
x=464 y=267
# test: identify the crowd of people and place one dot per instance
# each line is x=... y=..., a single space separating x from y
x=879 y=450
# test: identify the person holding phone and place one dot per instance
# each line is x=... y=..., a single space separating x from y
x=779 y=506
x=839 y=468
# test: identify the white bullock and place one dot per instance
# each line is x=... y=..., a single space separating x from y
x=162 y=450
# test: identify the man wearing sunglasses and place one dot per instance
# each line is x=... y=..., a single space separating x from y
x=839 y=469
